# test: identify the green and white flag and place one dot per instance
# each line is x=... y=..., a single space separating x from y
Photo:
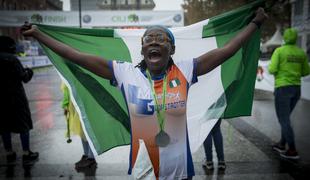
x=225 y=92
x=174 y=83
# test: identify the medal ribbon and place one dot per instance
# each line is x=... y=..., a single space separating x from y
x=159 y=112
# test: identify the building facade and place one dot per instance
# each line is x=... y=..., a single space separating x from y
x=30 y=5
x=112 y=5
x=301 y=21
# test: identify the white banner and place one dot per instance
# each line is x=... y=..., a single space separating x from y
x=265 y=80
x=93 y=18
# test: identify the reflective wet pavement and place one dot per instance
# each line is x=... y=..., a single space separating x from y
x=247 y=142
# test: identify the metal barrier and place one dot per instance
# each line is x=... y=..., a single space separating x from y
x=35 y=61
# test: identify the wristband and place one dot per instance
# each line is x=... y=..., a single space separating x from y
x=258 y=24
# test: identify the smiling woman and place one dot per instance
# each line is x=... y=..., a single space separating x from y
x=149 y=89
x=160 y=125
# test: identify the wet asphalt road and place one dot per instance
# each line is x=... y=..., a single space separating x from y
x=247 y=142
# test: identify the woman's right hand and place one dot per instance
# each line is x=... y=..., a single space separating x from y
x=28 y=29
x=66 y=111
x=95 y=64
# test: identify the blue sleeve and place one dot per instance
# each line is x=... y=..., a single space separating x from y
x=113 y=82
x=195 y=77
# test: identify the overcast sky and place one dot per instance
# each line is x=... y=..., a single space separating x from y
x=160 y=4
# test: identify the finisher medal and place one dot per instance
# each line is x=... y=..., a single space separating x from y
x=162 y=139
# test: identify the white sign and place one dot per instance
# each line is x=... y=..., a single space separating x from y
x=93 y=18
x=265 y=80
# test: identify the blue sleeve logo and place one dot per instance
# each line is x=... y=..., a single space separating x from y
x=143 y=106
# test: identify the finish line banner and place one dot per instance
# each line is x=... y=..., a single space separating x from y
x=93 y=18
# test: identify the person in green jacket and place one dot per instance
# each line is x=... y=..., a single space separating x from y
x=288 y=64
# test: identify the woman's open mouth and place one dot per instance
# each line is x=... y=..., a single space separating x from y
x=154 y=55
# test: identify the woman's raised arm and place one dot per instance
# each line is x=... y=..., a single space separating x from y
x=213 y=58
x=95 y=64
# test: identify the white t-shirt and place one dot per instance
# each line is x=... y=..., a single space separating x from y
x=173 y=161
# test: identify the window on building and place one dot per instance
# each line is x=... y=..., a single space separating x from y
x=131 y=1
x=298 y=7
x=10 y=6
x=299 y=41
x=308 y=46
x=309 y=10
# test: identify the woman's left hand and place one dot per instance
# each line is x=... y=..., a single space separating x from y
x=261 y=15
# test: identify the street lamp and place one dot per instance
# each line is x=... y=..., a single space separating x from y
x=80 y=14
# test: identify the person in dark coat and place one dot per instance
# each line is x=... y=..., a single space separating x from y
x=15 y=112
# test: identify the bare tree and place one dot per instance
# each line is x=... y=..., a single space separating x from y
x=279 y=12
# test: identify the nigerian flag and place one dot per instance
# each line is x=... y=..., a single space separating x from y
x=225 y=92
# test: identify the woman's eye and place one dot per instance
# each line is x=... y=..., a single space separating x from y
x=148 y=39
x=160 y=38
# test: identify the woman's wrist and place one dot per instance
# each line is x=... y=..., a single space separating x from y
x=257 y=23
x=36 y=32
